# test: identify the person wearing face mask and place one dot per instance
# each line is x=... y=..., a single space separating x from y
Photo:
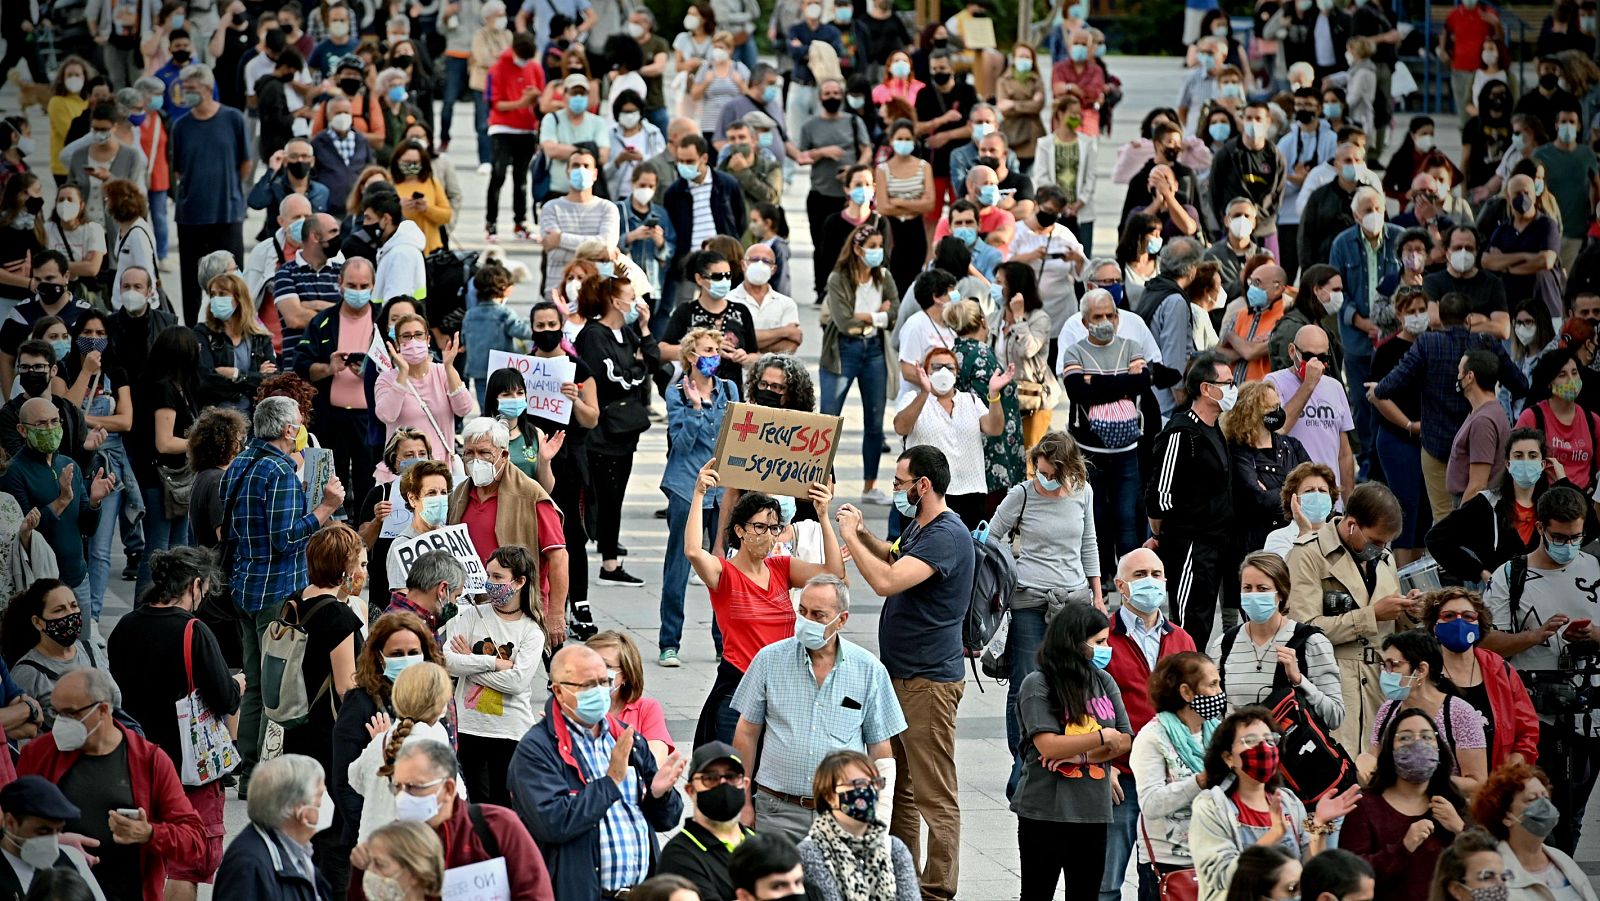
x=89 y=751
x=52 y=296
x=424 y=488
x=847 y=852
x=418 y=392
x=1249 y=166
x=1477 y=537
x=942 y=117
x=1526 y=246
x=421 y=696
x=49 y=473
x=1463 y=274
x=402 y=861
x=102 y=154
x=776 y=317
x=607 y=782
x=579 y=215
x=1458 y=618
x=1413 y=680
x=701 y=850
x=271 y=857
x=133 y=328
x=777 y=700
x=1410 y=813
x=36 y=815
x=719 y=80
x=1316 y=411
x=1325 y=198
x=634 y=139
x=807 y=28
x=1514 y=806
x=1270 y=650
x=161 y=651
x=235 y=348
x=209 y=147
x=934 y=413
x=1370 y=242
x=983 y=120
x=47 y=637
x=1572 y=172
x=1232 y=250
x=1168 y=756
x=1476 y=456
x=712 y=278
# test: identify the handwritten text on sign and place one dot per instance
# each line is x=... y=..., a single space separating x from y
x=454 y=541
x=482 y=881
x=776 y=451
x=543 y=377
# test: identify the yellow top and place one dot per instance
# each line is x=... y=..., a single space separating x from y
x=429 y=220
x=62 y=110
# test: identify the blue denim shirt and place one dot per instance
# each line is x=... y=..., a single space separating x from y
x=491 y=326
x=692 y=437
x=1350 y=258
x=646 y=255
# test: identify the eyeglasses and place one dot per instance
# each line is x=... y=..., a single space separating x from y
x=718 y=276
x=941 y=367
x=763 y=528
x=47 y=424
x=712 y=780
x=412 y=788
x=1559 y=538
x=34 y=367
x=877 y=782
x=412 y=336
x=1250 y=741
x=585 y=686
x=765 y=385
x=1407 y=737
x=903 y=484
x=1450 y=616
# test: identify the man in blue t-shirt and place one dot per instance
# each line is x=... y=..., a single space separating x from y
x=926 y=578
x=210 y=159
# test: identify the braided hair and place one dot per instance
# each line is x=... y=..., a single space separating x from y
x=421 y=694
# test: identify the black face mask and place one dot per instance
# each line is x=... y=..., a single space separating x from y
x=298 y=169
x=832 y=104
x=991 y=162
x=940 y=44
x=350 y=86
x=1274 y=419
x=332 y=243
x=1549 y=81
x=1046 y=219
x=547 y=340
x=50 y=292
x=1305 y=116
x=34 y=205
x=764 y=397
x=33 y=383
x=721 y=804
x=943 y=78
x=181 y=56
x=402 y=62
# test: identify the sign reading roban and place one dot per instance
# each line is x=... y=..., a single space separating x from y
x=543 y=378
x=454 y=541
x=776 y=451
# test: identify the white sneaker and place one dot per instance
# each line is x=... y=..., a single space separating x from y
x=875 y=496
x=485 y=168
x=694 y=578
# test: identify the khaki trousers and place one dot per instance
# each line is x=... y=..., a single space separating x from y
x=1433 y=478
x=925 y=785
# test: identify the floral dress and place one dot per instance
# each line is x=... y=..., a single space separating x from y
x=1002 y=453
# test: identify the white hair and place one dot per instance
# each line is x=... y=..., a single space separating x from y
x=198 y=72
x=273 y=415
x=281 y=788
x=484 y=427
x=1363 y=192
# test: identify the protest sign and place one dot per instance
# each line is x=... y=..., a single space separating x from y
x=543 y=377
x=485 y=880
x=776 y=451
x=453 y=540
x=318 y=470
x=399 y=517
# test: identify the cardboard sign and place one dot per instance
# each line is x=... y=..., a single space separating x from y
x=543 y=377
x=978 y=34
x=482 y=881
x=453 y=540
x=776 y=451
x=318 y=470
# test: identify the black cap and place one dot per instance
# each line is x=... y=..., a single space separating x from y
x=36 y=796
x=711 y=752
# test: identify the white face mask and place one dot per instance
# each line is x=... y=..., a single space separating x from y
x=628 y=120
x=1424 y=143
x=635 y=30
x=324 y=812
x=1462 y=260
x=1241 y=227
x=1526 y=332
x=643 y=195
x=573 y=287
x=134 y=301
x=691 y=23
x=1335 y=301
x=73 y=84
x=758 y=272
x=1372 y=223
x=942 y=381
x=39 y=852
x=68 y=210
x=813 y=10
x=482 y=472
x=341 y=122
x=410 y=807
x=1416 y=323
x=719 y=55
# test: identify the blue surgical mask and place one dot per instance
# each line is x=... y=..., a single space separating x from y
x=1458 y=635
x=905 y=148
x=1048 y=484
x=631 y=315
x=968 y=236
x=1256 y=297
x=435 y=509
x=222 y=306
x=297 y=231
x=688 y=172
x=1219 y=131
x=606 y=269
x=394 y=666
x=765 y=139
x=873 y=256
x=1525 y=472
x=1567 y=133
x=1078 y=52
x=860 y=194
x=1153 y=246
x=357 y=298
x=512 y=407
x=61 y=347
x=989 y=195
x=397 y=94
x=996 y=292
x=1102 y=656
x=1561 y=552
x=1316 y=506
x=903 y=503
x=771 y=93
x=812 y=635
x=1395 y=686
x=580 y=179
x=785 y=507
x=593 y=704
x=1350 y=171
x=1147 y=594
x=1258 y=605
x=577 y=104
x=721 y=287
x=1332 y=110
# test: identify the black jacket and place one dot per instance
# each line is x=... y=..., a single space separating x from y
x=727 y=210
x=259 y=865
x=133 y=336
x=1192 y=488
x=216 y=350
x=1258 y=476
x=317 y=344
x=1327 y=213
x=1479 y=535
x=1139 y=195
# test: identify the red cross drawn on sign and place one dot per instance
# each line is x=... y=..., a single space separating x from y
x=747 y=427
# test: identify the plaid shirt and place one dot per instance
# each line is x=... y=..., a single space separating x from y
x=269 y=527
x=1434 y=360
x=854 y=707
x=624 y=835
x=345 y=145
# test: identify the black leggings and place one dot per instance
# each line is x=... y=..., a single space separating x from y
x=517 y=152
x=610 y=473
x=1040 y=844
x=569 y=498
x=484 y=762
x=909 y=251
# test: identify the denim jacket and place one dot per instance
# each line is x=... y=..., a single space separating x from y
x=1349 y=256
x=692 y=436
x=491 y=326
x=646 y=255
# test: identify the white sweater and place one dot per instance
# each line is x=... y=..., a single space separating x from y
x=494 y=703
x=1166 y=790
x=377 y=809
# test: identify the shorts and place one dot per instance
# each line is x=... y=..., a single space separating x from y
x=941 y=199
x=208 y=802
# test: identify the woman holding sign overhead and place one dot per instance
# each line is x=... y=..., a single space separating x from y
x=750 y=590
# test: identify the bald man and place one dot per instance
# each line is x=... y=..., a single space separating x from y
x=995 y=225
x=267 y=255
x=1140 y=636
x=1245 y=343
x=581 y=780
x=1316 y=411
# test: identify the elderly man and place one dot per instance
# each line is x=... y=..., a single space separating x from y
x=754 y=167
x=289 y=172
x=332 y=355
x=104 y=768
x=1325 y=210
x=339 y=153
x=281 y=246
x=1315 y=410
x=804 y=697
x=426 y=772
x=1108 y=364
x=995 y=225
x=1016 y=188
x=776 y=316
x=1166 y=308
x=36 y=814
x=136 y=323
x=211 y=158
x=588 y=791
x=1367 y=254
x=67 y=499
x=434 y=582
x=763 y=94
x=36 y=360
x=308 y=283
x=264 y=506
x=271 y=858
x=502 y=506
x=579 y=216
x=1140 y=637
x=1245 y=337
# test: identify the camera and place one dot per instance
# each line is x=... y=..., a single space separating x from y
x=1338 y=603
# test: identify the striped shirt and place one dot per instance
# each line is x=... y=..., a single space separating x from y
x=1248 y=671
x=624 y=835
x=297 y=280
x=578 y=222
x=705 y=226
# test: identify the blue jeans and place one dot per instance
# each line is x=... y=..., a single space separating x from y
x=455 y=84
x=1027 y=633
x=1120 y=839
x=100 y=552
x=1401 y=460
x=158 y=221
x=860 y=360
x=745 y=53
x=480 y=123
x=657 y=116
x=1115 y=479
x=160 y=533
x=675 y=568
x=1357 y=372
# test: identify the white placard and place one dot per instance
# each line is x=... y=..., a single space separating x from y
x=378 y=354
x=453 y=540
x=399 y=517
x=543 y=377
x=483 y=881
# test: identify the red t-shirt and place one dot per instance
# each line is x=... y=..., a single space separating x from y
x=479 y=517
x=1522 y=520
x=1468 y=28
x=1249 y=816
x=1571 y=444
x=752 y=617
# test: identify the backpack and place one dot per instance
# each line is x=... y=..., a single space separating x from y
x=283 y=657
x=995 y=659
x=994 y=579
x=1314 y=765
x=1594 y=452
x=448 y=273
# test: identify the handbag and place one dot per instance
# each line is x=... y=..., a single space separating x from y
x=177 y=485
x=447 y=442
x=208 y=750
x=1178 y=885
x=624 y=418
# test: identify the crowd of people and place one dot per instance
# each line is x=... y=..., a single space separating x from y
x=1303 y=609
